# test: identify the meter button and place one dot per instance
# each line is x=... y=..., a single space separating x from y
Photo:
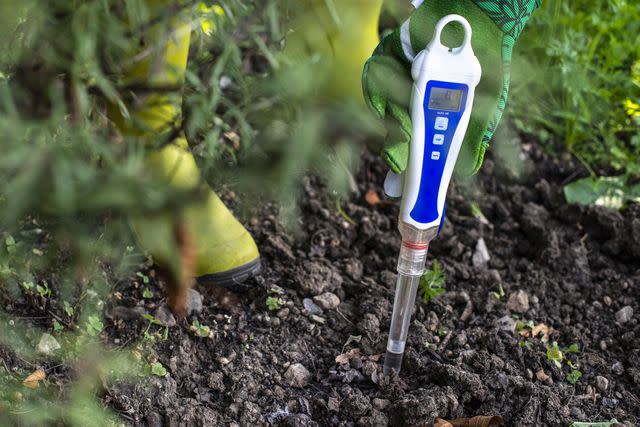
x=438 y=139
x=435 y=155
x=442 y=123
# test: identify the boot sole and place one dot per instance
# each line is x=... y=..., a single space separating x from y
x=233 y=278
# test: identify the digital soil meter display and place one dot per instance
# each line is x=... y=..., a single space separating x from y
x=445 y=99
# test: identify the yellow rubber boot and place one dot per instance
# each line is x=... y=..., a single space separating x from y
x=343 y=33
x=223 y=252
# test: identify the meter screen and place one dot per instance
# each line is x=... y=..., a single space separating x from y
x=445 y=99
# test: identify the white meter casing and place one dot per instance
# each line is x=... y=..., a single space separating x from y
x=442 y=99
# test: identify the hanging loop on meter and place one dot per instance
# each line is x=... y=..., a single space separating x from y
x=446 y=21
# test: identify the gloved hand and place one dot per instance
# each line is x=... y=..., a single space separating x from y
x=387 y=82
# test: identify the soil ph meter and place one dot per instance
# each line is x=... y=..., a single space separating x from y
x=444 y=83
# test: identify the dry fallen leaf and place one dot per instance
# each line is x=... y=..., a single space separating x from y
x=344 y=358
x=372 y=198
x=543 y=329
x=479 y=421
x=32 y=381
x=541 y=376
x=234 y=138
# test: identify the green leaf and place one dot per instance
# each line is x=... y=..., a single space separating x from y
x=555 y=355
x=611 y=192
x=147 y=293
x=595 y=424
x=94 y=325
x=158 y=370
x=573 y=348
x=432 y=283
x=57 y=326
x=68 y=309
x=274 y=303
x=573 y=376
x=152 y=319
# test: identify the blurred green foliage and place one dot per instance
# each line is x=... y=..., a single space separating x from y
x=576 y=80
x=69 y=181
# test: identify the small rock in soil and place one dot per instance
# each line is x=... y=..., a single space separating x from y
x=194 y=302
x=518 y=302
x=481 y=256
x=297 y=375
x=506 y=323
x=47 y=345
x=542 y=376
x=602 y=383
x=165 y=316
x=311 y=306
x=432 y=321
x=327 y=301
x=609 y=403
x=624 y=314
x=318 y=319
x=617 y=368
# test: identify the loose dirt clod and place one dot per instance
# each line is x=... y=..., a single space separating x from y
x=518 y=302
x=327 y=301
x=297 y=375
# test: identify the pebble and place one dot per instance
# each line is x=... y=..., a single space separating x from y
x=194 y=302
x=327 y=301
x=607 y=300
x=318 y=319
x=481 y=255
x=165 y=316
x=542 y=376
x=506 y=323
x=311 y=306
x=603 y=345
x=617 y=368
x=624 y=314
x=609 y=403
x=518 y=302
x=47 y=345
x=602 y=383
x=297 y=375
x=529 y=374
x=283 y=313
x=432 y=321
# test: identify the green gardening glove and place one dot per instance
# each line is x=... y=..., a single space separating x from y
x=387 y=82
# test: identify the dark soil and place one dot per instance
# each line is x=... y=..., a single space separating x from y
x=578 y=267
